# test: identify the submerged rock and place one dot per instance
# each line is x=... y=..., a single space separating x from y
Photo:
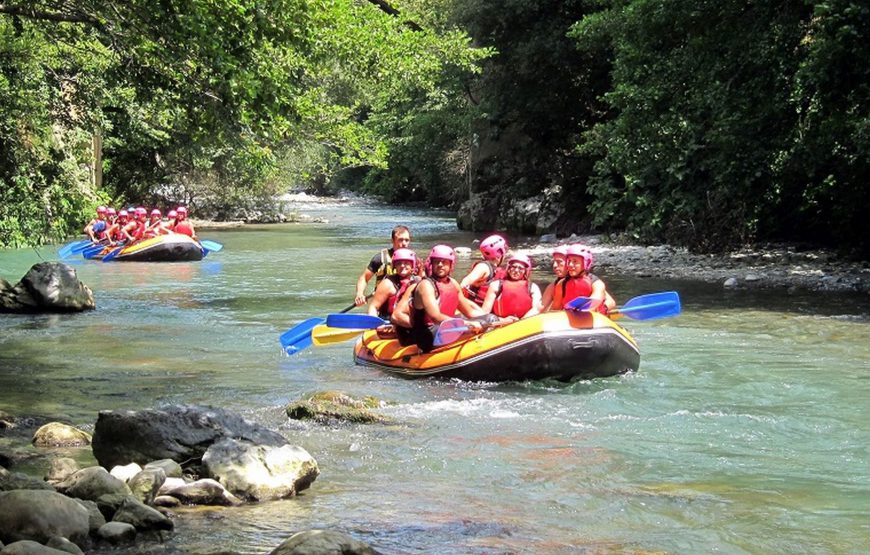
x=47 y=287
x=57 y=434
x=332 y=406
x=310 y=542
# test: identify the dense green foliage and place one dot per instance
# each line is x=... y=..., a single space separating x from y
x=200 y=101
x=702 y=123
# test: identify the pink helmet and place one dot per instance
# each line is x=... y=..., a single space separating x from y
x=181 y=210
x=583 y=252
x=101 y=209
x=123 y=214
x=444 y=252
x=404 y=255
x=156 y=212
x=524 y=260
x=111 y=212
x=493 y=247
x=172 y=214
x=561 y=251
x=140 y=211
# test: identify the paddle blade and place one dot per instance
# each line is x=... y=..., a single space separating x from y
x=325 y=335
x=112 y=254
x=354 y=321
x=584 y=304
x=449 y=331
x=93 y=252
x=301 y=343
x=299 y=332
x=73 y=248
x=652 y=306
x=213 y=246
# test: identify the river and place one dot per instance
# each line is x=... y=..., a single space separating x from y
x=746 y=429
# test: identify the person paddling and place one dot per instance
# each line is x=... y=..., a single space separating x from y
x=391 y=288
x=155 y=225
x=116 y=231
x=580 y=282
x=516 y=296
x=96 y=228
x=436 y=299
x=482 y=273
x=135 y=228
x=381 y=265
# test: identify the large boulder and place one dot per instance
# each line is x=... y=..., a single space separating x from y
x=311 y=542
x=58 y=434
x=91 y=483
x=260 y=472
x=47 y=287
x=180 y=433
x=38 y=515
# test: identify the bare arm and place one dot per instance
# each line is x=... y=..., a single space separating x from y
x=382 y=292
x=491 y=294
x=361 y=287
x=477 y=275
x=536 y=301
x=547 y=297
x=401 y=315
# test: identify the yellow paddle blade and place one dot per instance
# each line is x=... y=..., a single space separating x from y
x=324 y=335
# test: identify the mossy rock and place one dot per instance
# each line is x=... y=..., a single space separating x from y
x=334 y=406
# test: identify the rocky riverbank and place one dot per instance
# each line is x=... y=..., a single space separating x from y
x=775 y=266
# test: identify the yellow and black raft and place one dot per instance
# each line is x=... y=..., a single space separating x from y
x=174 y=247
x=561 y=345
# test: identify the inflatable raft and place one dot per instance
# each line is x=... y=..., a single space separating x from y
x=175 y=247
x=562 y=345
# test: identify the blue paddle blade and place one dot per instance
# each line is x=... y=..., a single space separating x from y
x=213 y=246
x=583 y=304
x=93 y=252
x=73 y=248
x=449 y=331
x=652 y=306
x=301 y=343
x=299 y=333
x=112 y=254
x=354 y=321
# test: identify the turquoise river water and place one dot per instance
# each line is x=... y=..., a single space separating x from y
x=746 y=429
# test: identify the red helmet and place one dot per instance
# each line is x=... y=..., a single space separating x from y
x=172 y=214
x=156 y=212
x=404 y=255
x=493 y=247
x=442 y=252
x=101 y=209
x=561 y=251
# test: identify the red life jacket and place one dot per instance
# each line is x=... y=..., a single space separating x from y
x=139 y=232
x=477 y=293
x=401 y=286
x=184 y=227
x=514 y=299
x=448 y=301
x=571 y=288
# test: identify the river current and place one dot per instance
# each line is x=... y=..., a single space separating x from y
x=746 y=429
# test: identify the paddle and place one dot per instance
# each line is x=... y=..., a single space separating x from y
x=644 y=307
x=93 y=252
x=299 y=336
x=324 y=335
x=73 y=248
x=113 y=253
x=354 y=321
x=211 y=246
x=449 y=331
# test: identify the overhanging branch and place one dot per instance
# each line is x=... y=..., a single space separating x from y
x=388 y=9
x=32 y=13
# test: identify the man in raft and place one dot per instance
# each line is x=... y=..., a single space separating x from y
x=516 y=296
x=182 y=224
x=96 y=228
x=494 y=249
x=381 y=265
x=560 y=271
x=436 y=299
